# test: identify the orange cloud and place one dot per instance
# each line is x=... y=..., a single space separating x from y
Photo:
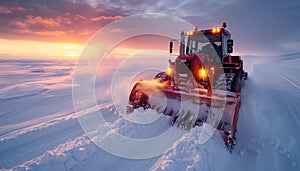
x=43 y=33
x=117 y=30
x=106 y=18
x=50 y=33
x=66 y=21
x=38 y=20
x=26 y=26
x=5 y=10
x=18 y=8
x=78 y=17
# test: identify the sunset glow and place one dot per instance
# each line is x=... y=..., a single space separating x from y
x=60 y=28
x=36 y=49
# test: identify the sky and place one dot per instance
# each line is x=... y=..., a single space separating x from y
x=48 y=28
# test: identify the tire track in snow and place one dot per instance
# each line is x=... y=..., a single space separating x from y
x=285 y=143
x=285 y=100
x=285 y=78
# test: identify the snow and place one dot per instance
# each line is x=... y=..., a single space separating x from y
x=39 y=129
x=189 y=154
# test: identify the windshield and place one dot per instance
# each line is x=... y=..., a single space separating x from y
x=204 y=43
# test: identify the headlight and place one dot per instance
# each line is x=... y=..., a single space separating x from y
x=203 y=73
x=169 y=71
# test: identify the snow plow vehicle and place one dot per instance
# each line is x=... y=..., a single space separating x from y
x=202 y=85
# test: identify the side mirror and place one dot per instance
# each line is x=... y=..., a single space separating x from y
x=229 y=46
x=171 y=48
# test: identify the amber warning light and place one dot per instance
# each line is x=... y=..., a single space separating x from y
x=216 y=30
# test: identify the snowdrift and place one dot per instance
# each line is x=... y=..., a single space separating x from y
x=39 y=129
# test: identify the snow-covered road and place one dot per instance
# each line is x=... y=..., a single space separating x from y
x=39 y=129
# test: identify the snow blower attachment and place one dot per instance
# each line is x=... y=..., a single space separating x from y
x=202 y=85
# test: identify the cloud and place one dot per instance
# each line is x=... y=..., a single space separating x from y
x=55 y=20
x=43 y=33
x=258 y=27
x=116 y=30
x=79 y=19
x=5 y=10
x=43 y=22
x=262 y=26
x=106 y=18
x=179 y=8
x=269 y=26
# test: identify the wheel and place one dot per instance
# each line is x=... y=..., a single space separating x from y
x=236 y=84
x=245 y=75
x=229 y=82
x=223 y=82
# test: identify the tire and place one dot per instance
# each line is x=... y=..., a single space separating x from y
x=228 y=82
x=236 y=84
x=223 y=82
